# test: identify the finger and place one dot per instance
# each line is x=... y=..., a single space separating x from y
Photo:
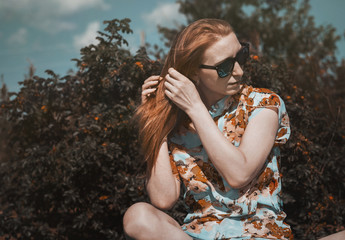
x=168 y=94
x=170 y=87
x=149 y=84
x=175 y=74
x=148 y=91
x=170 y=79
x=153 y=78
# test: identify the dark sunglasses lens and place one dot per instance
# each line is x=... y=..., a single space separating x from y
x=242 y=55
x=225 y=68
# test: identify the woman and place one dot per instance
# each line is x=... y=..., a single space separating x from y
x=202 y=128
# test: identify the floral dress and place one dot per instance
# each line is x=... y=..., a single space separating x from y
x=215 y=210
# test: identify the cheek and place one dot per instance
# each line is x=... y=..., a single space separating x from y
x=208 y=74
x=238 y=70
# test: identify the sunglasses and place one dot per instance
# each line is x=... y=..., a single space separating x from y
x=227 y=66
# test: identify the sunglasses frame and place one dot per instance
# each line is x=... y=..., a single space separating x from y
x=232 y=61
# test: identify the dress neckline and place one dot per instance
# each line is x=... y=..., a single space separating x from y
x=225 y=103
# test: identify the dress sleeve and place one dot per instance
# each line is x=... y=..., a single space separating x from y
x=263 y=100
x=174 y=168
x=284 y=130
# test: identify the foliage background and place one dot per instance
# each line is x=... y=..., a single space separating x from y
x=70 y=164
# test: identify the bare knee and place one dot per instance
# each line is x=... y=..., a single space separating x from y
x=136 y=221
x=145 y=222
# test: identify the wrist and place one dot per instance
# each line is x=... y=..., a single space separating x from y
x=196 y=110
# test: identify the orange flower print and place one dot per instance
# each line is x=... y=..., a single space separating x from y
x=281 y=132
x=197 y=186
x=194 y=227
x=265 y=178
x=250 y=101
x=255 y=227
x=173 y=166
x=211 y=174
x=198 y=174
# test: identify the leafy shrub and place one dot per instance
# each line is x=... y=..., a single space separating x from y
x=70 y=164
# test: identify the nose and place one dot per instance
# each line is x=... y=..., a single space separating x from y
x=237 y=71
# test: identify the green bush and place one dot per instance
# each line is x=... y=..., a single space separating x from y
x=70 y=162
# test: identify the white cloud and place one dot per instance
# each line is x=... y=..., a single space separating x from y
x=47 y=15
x=88 y=37
x=19 y=37
x=165 y=15
x=69 y=7
x=50 y=7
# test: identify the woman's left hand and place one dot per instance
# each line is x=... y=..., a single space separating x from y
x=181 y=90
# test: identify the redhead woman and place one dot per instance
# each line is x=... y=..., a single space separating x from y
x=215 y=139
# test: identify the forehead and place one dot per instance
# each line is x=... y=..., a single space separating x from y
x=225 y=47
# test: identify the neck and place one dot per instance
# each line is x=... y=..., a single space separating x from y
x=209 y=99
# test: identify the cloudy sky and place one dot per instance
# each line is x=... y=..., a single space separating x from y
x=49 y=33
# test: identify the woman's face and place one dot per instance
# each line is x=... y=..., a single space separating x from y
x=211 y=87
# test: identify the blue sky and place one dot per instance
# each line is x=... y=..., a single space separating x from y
x=49 y=33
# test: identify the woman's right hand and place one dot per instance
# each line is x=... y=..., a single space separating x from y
x=149 y=87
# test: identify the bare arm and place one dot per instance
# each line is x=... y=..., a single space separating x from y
x=237 y=165
x=162 y=187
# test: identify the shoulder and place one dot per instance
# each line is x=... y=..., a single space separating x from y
x=256 y=99
x=262 y=97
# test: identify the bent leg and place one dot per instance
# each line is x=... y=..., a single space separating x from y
x=143 y=221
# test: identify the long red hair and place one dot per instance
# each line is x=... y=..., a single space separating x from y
x=158 y=116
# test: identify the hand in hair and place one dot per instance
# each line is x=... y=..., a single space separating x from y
x=149 y=87
x=181 y=91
